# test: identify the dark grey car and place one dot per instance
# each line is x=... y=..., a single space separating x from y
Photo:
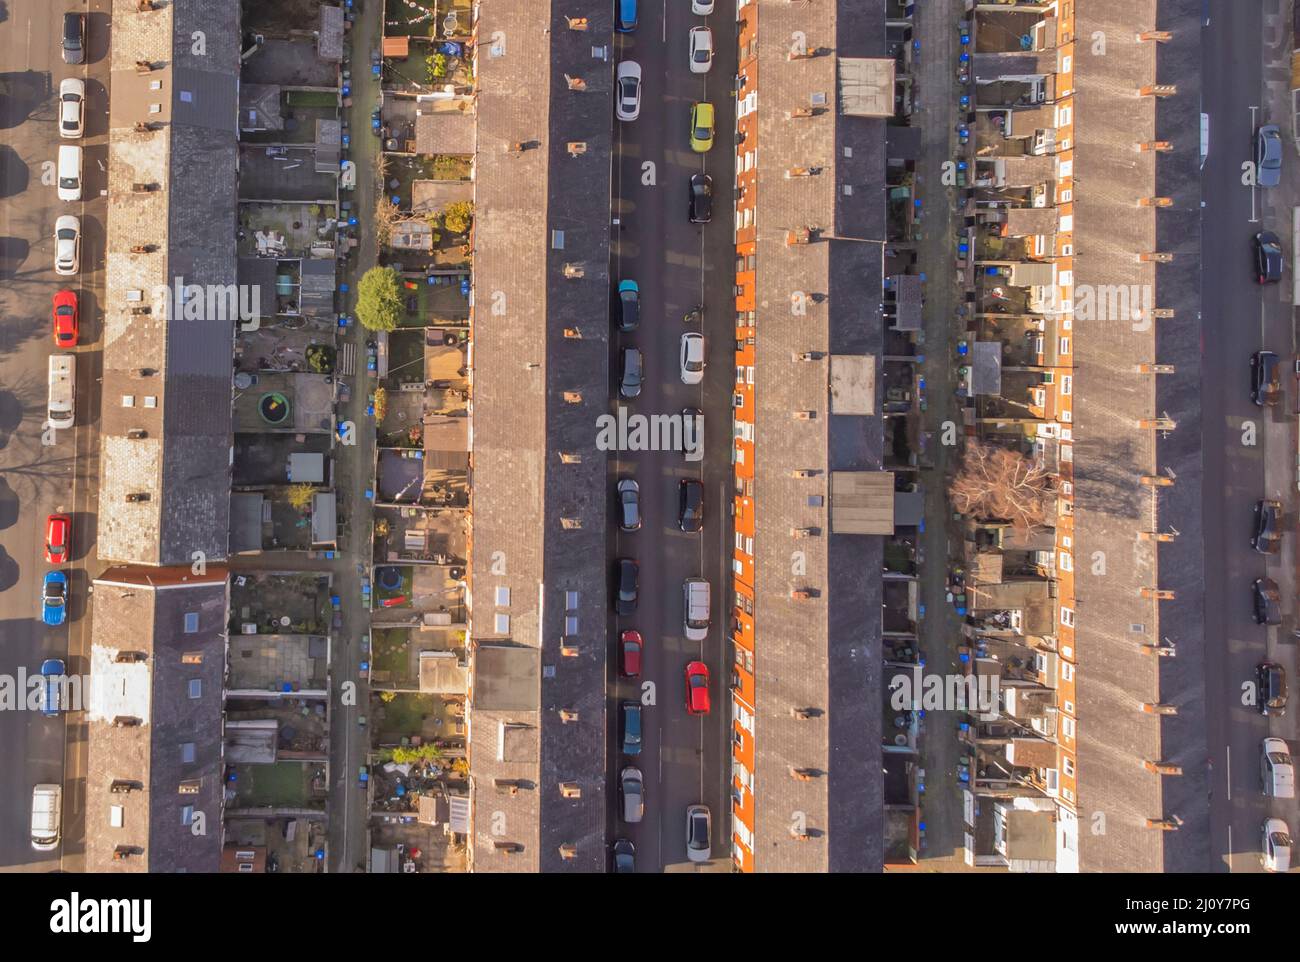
x=74 y=37
x=630 y=381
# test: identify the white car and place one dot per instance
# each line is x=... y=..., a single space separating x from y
x=628 y=84
x=701 y=49
x=72 y=108
x=67 y=245
x=701 y=8
x=692 y=358
x=1276 y=846
x=698 y=827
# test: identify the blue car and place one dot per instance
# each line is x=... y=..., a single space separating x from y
x=629 y=305
x=52 y=672
x=626 y=21
x=54 y=598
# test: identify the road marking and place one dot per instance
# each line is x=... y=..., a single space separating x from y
x=1254 y=180
x=1227 y=751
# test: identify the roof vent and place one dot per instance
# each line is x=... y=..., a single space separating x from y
x=137 y=434
x=137 y=496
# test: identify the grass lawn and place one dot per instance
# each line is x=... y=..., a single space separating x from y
x=388 y=655
x=405 y=357
x=279 y=784
x=405 y=714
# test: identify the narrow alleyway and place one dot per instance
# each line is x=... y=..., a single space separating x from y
x=353 y=478
x=940 y=628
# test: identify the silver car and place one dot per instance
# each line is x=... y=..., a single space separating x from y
x=627 y=80
x=701 y=49
x=699 y=826
x=632 y=787
x=67 y=245
x=72 y=108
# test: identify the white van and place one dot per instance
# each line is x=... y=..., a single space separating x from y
x=69 y=172
x=695 y=603
x=61 y=408
x=47 y=814
x=1276 y=771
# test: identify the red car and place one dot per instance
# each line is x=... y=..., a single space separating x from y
x=58 y=538
x=697 y=688
x=630 y=651
x=65 y=319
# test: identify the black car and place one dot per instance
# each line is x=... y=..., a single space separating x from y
x=624 y=856
x=630 y=372
x=701 y=198
x=629 y=305
x=1265 y=385
x=1268 y=257
x=690 y=506
x=1268 y=610
x=1268 y=530
x=1271 y=679
x=74 y=37
x=625 y=576
x=629 y=505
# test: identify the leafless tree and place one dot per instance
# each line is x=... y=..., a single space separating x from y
x=999 y=484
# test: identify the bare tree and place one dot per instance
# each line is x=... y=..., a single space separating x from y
x=386 y=215
x=999 y=484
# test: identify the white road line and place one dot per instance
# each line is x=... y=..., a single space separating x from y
x=1227 y=751
x=1254 y=219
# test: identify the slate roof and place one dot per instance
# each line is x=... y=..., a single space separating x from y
x=824 y=651
x=183 y=464
x=141 y=618
x=522 y=364
x=1111 y=506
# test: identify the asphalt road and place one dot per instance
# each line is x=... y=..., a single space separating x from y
x=1241 y=58
x=685 y=759
x=36 y=479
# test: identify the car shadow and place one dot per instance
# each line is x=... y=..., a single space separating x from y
x=14 y=174
x=8 y=570
x=8 y=505
x=13 y=253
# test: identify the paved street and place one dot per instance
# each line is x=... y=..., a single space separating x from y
x=1242 y=317
x=36 y=479
x=685 y=760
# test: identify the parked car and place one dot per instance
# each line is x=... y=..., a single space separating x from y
x=628 y=81
x=701 y=8
x=702 y=127
x=630 y=647
x=67 y=245
x=632 y=787
x=1268 y=531
x=74 y=37
x=66 y=319
x=1265 y=383
x=701 y=46
x=1276 y=845
x=1268 y=610
x=692 y=433
x=699 y=827
x=697 y=688
x=631 y=712
x=1276 y=769
x=690 y=505
x=72 y=108
x=701 y=198
x=53 y=672
x=624 y=856
x=626 y=571
x=692 y=357
x=629 y=385
x=626 y=21
x=1268 y=156
x=1270 y=679
x=58 y=538
x=629 y=305
x=1268 y=257
x=54 y=598
x=629 y=505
